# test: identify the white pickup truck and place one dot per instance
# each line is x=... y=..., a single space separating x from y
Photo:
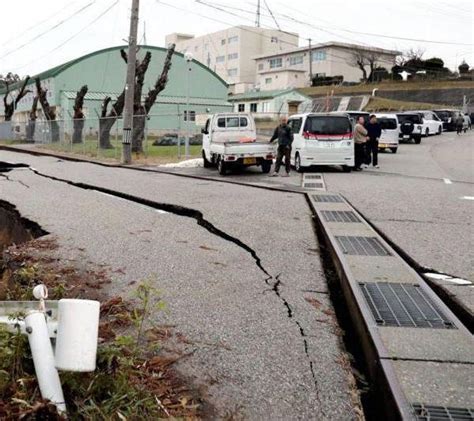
x=230 y=141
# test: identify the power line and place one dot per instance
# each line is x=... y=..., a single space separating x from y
x=57 y=25
x=75 y=35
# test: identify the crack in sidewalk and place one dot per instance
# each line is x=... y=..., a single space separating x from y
x=201 y=221
x=7 y=178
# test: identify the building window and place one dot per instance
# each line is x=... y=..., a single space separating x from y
x=223 y=41
x=196 y=48
x=233 y=39
x=294 y=60
x=232 y=72
x=192 y=116
x=260 y=66
x=319 y=55
x=268 y=80
x=274 y=39
x=241 y=108
x=220 y=59
x=275 y=62
x=233 y=56
x=253 y=107
x=265 y=107
x=206 y=47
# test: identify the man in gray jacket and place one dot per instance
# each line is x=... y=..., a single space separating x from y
x=285 y=138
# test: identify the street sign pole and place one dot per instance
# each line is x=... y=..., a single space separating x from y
x=130 y=86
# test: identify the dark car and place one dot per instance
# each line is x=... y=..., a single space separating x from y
x=411 y=126
x=448 y=117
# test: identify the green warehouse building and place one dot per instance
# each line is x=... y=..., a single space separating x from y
x=104 y=73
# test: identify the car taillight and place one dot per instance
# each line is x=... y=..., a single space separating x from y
x=306 y=135
x=230 y=158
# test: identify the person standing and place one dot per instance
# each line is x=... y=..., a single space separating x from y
x=360 y=139
x=284 y=135
x=374 y=130
x=459 y=123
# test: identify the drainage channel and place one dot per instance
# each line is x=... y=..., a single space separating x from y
x=273 y=281
x=419 y=356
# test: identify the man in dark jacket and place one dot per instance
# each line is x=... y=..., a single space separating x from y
x=374 y=132
x=285 y=138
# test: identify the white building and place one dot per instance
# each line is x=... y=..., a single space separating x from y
x=271 y=104
x=291 y=68
x=230 y=53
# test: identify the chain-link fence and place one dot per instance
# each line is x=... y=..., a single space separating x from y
x=159 y=138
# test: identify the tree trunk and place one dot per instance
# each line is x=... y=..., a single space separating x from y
x=138 y=133
x=54 y=130
x=78 y=125
x=49 y=112
x=30 y=131
x=79 y=115
x=10 y=107
x=105 y=126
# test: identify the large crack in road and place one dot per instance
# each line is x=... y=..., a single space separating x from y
x=201 y=221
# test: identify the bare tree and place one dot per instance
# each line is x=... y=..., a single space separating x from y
x=363 y=59
x=413 y=54
x=141 y=110
x=49 y=113
x=11 y=106
x=78 y=117
x=30 y=128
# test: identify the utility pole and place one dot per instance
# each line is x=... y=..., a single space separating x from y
x=310 y=54
x=257 y=19
x=130 y=86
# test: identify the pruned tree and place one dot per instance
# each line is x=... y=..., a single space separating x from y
x=363 y=59
x=11 y=106
x=9 y=78
x=48 y=111
x=78 y=116
x=30 y=128
x=141 y=111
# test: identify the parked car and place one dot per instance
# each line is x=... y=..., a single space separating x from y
x=389 y=138
x=230 y=141
x=448 y=117
x=431 y=123
x=322 y=139
x=411 y=126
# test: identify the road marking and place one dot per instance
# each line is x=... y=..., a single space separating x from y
x=468 y=197
x=447 y=181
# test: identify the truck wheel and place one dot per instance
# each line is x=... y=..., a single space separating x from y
x=207 y=164
x=221 y=166
x=417 y=140
x=394 y=150
x=266 y=166
x=298 y=166
x=346 y=168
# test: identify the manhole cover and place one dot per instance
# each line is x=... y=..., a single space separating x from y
x=403 y=305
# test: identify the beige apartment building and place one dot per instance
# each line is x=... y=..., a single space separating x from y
x=231 y=52
x=291 y=68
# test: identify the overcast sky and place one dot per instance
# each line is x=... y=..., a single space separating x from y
x=37 y=35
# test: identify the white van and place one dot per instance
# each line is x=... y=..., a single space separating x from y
x=431 y=123
x=390 y=131
x=322 y=139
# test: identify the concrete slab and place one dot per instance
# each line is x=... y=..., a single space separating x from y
x=381 y=269
x=464 y=294
x=428 y=344
x=441 y=384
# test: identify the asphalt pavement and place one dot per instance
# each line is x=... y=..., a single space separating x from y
x=249 y=296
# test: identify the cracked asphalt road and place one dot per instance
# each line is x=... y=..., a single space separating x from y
x=274 y=354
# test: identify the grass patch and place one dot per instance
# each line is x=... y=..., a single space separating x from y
x=134 y=379
x=383 y=104
x=386 y=86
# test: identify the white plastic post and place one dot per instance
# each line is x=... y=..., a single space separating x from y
x=78 y=330
x=43 y=359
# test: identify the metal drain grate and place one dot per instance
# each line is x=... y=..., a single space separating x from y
x=340 y=216
x=313 y=185
x=442 y=413
x=362 y=246
x=312 y=177
x=403 y=305
x=327 y=198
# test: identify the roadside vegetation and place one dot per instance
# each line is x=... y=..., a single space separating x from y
x=377 y=104
x=134 y=380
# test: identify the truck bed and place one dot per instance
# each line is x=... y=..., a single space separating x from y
x=247 y=149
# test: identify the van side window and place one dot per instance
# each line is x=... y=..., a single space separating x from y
x=243 y=122
x=221 y=122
